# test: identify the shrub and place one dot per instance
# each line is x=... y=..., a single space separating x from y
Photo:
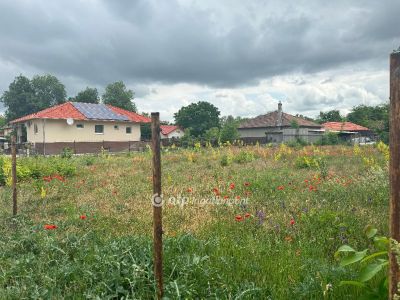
x=244 y=157
x=66 y=152
x=225 y=160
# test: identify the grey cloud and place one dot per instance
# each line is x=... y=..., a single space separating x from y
x=155 y=41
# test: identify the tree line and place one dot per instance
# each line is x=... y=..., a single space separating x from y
x=26 y=96
x=200 y=120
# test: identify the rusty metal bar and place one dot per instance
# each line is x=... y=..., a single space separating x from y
x=157 y=203
x=394 y=136
x=14 y=173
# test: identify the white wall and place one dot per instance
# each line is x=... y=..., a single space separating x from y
x=59 y=131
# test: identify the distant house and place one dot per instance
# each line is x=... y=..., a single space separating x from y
x=171 y=131
x=83 y=127
x=350 y=131
x=278 y=127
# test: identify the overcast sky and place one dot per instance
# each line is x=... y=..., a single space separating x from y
x=242 y=56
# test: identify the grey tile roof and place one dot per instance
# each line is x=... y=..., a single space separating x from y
x=272 y=120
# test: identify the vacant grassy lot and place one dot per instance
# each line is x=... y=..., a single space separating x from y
x=273 y=220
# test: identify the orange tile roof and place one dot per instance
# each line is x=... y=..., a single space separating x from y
x=131 y=115
x=68 y=110
x=344 y=126
x=167 y=129
x=61 y=111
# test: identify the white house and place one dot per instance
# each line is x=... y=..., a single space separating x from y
x=83 y=127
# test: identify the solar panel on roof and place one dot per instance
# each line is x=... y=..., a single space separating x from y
x=98 y=111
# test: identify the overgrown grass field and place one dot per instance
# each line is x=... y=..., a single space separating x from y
x=255 y=222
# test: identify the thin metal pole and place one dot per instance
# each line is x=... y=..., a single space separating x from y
x=157 y=203
x=44 y=136
x=394 y=136
x=14 y=173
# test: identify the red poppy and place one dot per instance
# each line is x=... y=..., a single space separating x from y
x=247 y=184
x=292 y=222
x=306 y=181
x=50 y=226
x=82 y=217
x=281 y=187
x=239 y=218
x=247 y=215
x=226 y=197
x=190 y=190
x=47 y=178
x=216 y=191
x=232 y=186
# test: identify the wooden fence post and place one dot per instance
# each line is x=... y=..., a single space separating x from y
x=157 y=203
x=394 y=135
x=14 y=173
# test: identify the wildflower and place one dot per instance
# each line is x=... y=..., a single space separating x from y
x=232 y=186
x=216 y=191
x=247 y=215
x=190 y=190
x=237 y=197
x=281 y=187
x=42 y=192
x=50 y=226
x=292 y=222
x=261 y=217
x=226 y=197
x=239 y=218
x=288 y=239
x=47 y=178
x=247 y=184
x=82 y=217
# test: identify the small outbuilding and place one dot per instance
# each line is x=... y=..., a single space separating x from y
x=171 y=132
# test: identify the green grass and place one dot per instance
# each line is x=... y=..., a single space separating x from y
x=207 y=253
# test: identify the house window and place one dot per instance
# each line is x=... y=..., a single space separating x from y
x=116 y=127
x=128 y=130
x=35 y=128
x=80 y=125
x=99 y=129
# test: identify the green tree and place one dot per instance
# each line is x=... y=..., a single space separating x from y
x=48 y=91
x=118 y=95
x=88 y=95
x=19 y=98
x=212 y=135
x=2 y=121
x=330 y=116
x=229 y=130
x=198 y=117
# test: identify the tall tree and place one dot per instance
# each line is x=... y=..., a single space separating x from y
x=229 y=130
x=48 y=91
x=330 y=116
x=198 y=117
x=118 y=95
x=19 y=98
x=88 y=95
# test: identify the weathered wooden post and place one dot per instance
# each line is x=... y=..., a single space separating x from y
x=394 y=136
x=14 y=173
x=157 y=203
